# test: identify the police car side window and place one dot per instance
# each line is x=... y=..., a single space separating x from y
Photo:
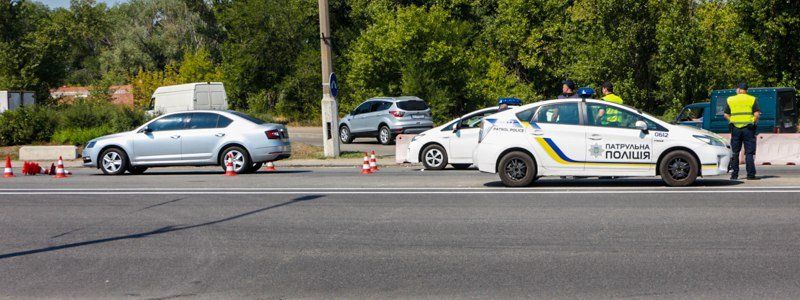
x=613 y=117
x=562 y=113
x=475 y=120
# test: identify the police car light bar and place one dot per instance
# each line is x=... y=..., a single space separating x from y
x=585 y=92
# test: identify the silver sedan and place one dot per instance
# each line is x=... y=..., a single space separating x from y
x=191 y=138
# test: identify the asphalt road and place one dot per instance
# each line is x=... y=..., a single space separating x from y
x=313 y=136
x=331 y=233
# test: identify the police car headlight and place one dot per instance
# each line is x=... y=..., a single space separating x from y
x=417 y=136
x=710 y=140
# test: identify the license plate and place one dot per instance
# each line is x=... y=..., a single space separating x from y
x=417 y=116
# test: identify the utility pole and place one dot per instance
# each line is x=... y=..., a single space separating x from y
x=330 y=109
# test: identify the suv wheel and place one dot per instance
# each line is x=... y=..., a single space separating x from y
x=385 y=135
x=344 y=135
x=434 y=158
x=517 y=169
x=679 y=168
x=113 y=161
x=241 y=159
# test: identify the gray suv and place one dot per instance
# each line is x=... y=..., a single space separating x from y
x=385 y=118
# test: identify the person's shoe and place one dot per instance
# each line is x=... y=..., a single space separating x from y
x=734 y=177
x=752 y=178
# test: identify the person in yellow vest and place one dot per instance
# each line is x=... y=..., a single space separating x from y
x=742 y=112
x=612 y=117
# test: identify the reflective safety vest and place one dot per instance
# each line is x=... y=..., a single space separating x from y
x=741 y=107
x=612 y=115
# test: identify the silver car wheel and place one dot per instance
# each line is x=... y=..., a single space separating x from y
x=112 y=162
x=434 y=157
x=344 y=134
x=385 y=135
x=238 y=160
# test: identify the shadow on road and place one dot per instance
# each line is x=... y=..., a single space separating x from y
x=161 y=230
x=594 y=182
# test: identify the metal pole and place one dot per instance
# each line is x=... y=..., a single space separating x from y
x=330 y=110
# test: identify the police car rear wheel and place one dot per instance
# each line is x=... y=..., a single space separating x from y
x=434 y=158
x=517 y=169
x=679 y=168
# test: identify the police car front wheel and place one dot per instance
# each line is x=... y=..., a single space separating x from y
x=517 y=169
x=679 y=168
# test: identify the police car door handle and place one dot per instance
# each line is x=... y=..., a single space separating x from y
x=219 y=135
x=595 y=137
x=175 y=137
x=537 y=132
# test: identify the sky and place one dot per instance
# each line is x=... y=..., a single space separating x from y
x=65 y=3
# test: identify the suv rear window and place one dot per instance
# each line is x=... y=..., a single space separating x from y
x=412 y=105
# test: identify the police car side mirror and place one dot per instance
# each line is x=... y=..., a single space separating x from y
x=457 y=126
x=641 y=125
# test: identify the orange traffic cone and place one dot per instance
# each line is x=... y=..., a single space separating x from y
x=60 y=169
x=365 y=169
x=270 y=167
x=373 y=163
x=8 y=172
x=229 y=166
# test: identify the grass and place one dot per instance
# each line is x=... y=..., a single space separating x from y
x=306 y=151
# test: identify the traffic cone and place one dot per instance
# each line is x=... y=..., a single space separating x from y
x=229 y=166
x=365 y=169
x=373 y=163
x=60 y=169
x=9 y=171
x=52 y=169
x=270 y=166
x=25 y=168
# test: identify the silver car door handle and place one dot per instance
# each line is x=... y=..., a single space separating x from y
x=595 y=137
x=176 y=137
x=219 y=135
x=537 y=132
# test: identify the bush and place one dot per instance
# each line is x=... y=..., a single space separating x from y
x=77 y=122
x=80 y=136
x=26 y=125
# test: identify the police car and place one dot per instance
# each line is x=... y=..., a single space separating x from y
x=454 y=142
x=574 y=137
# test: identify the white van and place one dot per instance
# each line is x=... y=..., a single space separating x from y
x=10 y=100
x=191 y=96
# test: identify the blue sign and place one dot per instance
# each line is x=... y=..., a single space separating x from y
x=334 y=86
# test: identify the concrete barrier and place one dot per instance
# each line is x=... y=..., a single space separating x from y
x=401 y=147
x=774 y=149
x=34 y=153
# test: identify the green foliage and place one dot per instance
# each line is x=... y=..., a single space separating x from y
x=26 y=125
x=79 y=136
x=458 y=55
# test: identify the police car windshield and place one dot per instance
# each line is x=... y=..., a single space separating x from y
x=249 y=118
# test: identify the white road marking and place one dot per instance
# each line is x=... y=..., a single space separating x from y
x=266 y=189
x=399 y=192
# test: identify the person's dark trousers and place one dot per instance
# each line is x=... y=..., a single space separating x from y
x=743 y=136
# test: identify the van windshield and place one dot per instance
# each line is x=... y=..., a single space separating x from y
x=249 y=118
x=412 y=105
